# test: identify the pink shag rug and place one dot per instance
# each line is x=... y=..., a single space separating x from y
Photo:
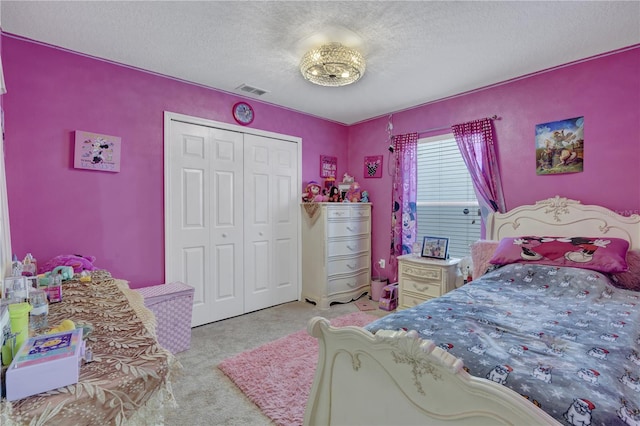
x=277 y=376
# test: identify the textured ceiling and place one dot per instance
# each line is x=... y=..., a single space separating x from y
x=416 y=52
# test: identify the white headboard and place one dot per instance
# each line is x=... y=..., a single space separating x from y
x=563 y=217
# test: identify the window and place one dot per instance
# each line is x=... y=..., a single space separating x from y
x=446 y=201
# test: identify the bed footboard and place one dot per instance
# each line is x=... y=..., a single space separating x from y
x=394 y=377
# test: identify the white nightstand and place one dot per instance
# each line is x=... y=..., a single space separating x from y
x=424 y=278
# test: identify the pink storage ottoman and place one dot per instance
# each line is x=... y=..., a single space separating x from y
x=172 y=304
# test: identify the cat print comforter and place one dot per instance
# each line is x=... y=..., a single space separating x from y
x=564 y=338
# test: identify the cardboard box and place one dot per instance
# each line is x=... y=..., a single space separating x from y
x=44 y=363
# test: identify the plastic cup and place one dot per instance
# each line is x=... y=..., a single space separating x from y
x=19 y=319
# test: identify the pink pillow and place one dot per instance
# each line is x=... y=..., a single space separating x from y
x=629 y=280
x=481 y=252
x=598 y=254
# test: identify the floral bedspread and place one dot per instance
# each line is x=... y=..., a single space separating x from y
x=128 y=381
x=564 y=338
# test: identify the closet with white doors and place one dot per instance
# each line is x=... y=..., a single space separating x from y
x=231 y=216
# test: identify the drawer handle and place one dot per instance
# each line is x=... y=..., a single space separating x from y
x=350 y=248
x=352 y=285
x=339 y=213
x=419 y=288
x=350 y=229
x=351 y=266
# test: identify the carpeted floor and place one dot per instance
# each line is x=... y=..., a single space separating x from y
x=277 y=376
x=205 y=395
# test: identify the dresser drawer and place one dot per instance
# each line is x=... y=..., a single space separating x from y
x=338 y=212
x=346 y=212
x=421 y=288
x=422 y=271
x=346 y=229
x=345 y=284
x=347 y=265
x=348 y=247
x=363 y=212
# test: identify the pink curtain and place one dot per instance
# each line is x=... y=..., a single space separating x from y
x=403 y=203
x=475 y=140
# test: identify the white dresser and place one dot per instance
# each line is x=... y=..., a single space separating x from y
x=336 y=252
x=423 y=278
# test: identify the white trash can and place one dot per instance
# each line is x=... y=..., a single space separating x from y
x=377 y=284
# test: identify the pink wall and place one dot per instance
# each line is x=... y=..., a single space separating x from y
x=605 y=90
x=117 y=217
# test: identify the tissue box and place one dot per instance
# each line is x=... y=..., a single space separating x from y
x=172 y=304
x=45 y=362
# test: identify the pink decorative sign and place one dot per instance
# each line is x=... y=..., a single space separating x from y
x=328 y=166
x=373 y=166
x=94 y=151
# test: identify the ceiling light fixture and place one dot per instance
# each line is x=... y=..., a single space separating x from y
x=332 y=65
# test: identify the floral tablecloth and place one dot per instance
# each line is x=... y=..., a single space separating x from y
x=128 y=381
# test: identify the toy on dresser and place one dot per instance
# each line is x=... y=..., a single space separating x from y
x=354 y=193
x=313 y=193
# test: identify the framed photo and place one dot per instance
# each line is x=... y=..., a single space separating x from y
x=373 y=166
x=436 y=247
x=94 y=151
x=560 y=146
x=328 y=166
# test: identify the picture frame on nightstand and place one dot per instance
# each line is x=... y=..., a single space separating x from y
x=435 y=247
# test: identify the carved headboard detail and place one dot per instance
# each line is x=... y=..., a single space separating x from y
x=563 y=217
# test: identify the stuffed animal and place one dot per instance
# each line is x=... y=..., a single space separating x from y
x=334 y=194
x=364 y=198
x=354 y=193
x=77 y=262
x=65 y=273
x=313 y=192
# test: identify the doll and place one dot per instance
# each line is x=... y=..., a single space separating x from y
x=313 y=192
x=334 y=194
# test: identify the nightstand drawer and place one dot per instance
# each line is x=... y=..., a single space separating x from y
x=346 y=229
x=421 y=288
x=424 y=272
x=410 y=300
x=347 y=265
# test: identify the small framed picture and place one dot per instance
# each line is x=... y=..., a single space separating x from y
x=373 y=166
x=436 y=247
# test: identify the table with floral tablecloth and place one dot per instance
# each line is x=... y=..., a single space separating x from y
x=128 y=381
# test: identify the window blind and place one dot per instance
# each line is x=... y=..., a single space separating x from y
x=446 y=201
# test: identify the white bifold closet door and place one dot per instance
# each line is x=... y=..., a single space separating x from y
x=232 y=224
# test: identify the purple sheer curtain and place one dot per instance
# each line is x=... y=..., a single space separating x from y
x=475 y=140
x=403 y=203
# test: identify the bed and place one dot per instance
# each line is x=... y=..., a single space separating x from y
x=529 y=342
